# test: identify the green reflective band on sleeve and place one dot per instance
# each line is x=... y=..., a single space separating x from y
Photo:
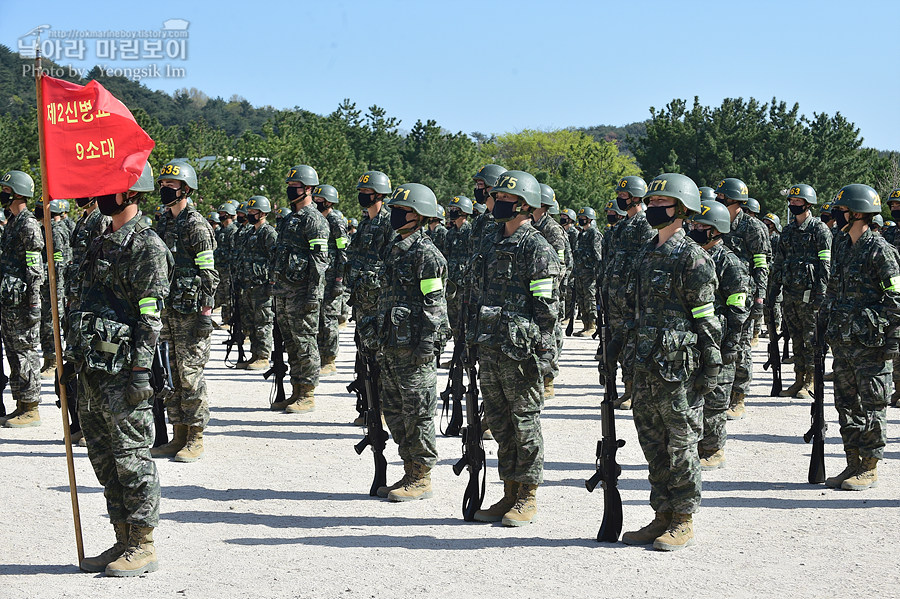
x=759 y=261
x=737 y=299
x=204 y=260
x=341 y=242
x=562 y=255
x=892 y=284
x=429 y=285
x=321 y=243
x=542 y=287
x=32 y=258
x=824 y=254
x=149 y=305
x=57 y=256
x=706 y=310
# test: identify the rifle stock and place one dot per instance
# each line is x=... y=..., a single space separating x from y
x=818 y=426
x=570 y=314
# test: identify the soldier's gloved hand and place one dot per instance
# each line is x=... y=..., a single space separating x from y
x=545 y=361
x=730 y=352
x=337 y=290
x=612 y=350
x=757 y=311
x=707 y=380
x=891 y=349
x=138 y=388
x=33 y=316
x=423 y=353
x=205 y=326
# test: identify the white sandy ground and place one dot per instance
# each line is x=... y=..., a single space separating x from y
x=279 y=507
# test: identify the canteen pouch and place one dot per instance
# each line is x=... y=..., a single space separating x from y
x=12 y=291
x=100 y=343
x=487 y=325
x=520 y=334
x=186 y=294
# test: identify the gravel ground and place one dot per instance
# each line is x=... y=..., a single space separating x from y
x=279 y=507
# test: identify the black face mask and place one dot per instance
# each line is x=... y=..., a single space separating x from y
x=168 y=196
x=39 y=212
x=252 y=218
x=895 y=214
x=480 y=195
x=658 y=217
x=83 y=202
x=582 y=222
x=503 y=211
x=453 y=214
x=365 y=199
x=108 y=206
x=242 y=219
x=612 y=218
x=826 y=218
x=623 y=203
x=5 y=198
x=398 y=219
x=564 y=222
x=701 y=236
x=292 y=194
x=797 y=210
x=840 y=217
x=321 y=207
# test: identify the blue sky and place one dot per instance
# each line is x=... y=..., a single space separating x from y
x=496 y=67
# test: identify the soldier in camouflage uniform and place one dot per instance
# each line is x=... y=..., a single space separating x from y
x=892 y=236
x=862 y=308
x=515 y=335
x=800 y=270
x=677 y=360
x=749 y=240
x=21 y=274
x=214 y=221
x=298 y=273
x=568 y=222
x=187 y=316
x=773 y=224
x=325 y=198
x=588 y=254
x=412 y=327
x=68 y=222
x=457 y=247
x=62 y=255
x=437 y=231
x=126 y=280
x=730 y=303
x=224 y=256
x=550 y=230
x=252 y=276
x=620 y=250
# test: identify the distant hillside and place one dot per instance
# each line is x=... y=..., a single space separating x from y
x=619 y=135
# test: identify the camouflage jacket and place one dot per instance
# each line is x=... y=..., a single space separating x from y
x=301 y=255
x=620 y=250
x=731 y=294
x=553 y=232
x=675 y=320
x=365 y=259
x=483 y=228
x=87 y=229
x=69 y=223
x=863 y=300
x=337 y=248
x=252 y=267
x=588 y=253
x=519 y=295
x=439 y=236
x=802 y=263
x=458 y=252
x=21 y=267
x=190 y=239
x=225 y=249
x=412 y=309
x=749 y=240
x=62 y=246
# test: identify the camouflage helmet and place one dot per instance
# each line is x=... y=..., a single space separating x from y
x=376 y=181
x=570 y=214
x=707 y=193
x=894 y=196
x=857 y=197
x=56 y=207
x=145 y=181
x=463 y=203
x=826 y=208
x=416 y=196
x=146 y=221
x=279 y=213
x=554 y=209
x=303 y=174
x=21 y=183
x=889 y=223
x=177 y=170
x=441 y=214
x=353 y=222
x=327 y=193
x=189 y=203
x=635 y=186
x=878 y=220
x=228 y=208
x=518 y=183
x=339 y=214
x=489 y=173
x=679 y=187
x=804 y=192
x=260 y=203
x=479 y=207
x=213 y=216
x=548 y=196
x=714 y=214
x=65 y=205
x=160 y=210
x=773 y=218
x=733 y=189
x=588 y=213
x=234 y=203
x=613 y=206
x=753 y=206
x=241 y=209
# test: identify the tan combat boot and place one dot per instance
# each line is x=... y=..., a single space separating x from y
x=99 y=563
x=306 y=402
x=139 y=557
x=28 y=417
x=12 y=414
x=383 y=492
x=649 y=533
x=259 y=363
x=359 y=420
x=800 y=383
x=193 y=448
x=679 y=535
x=418 y=486
x=179 y=438
x=624 y=401
x=524 y=509
x=835 y=482
x=714 y=461
x=496 y=512
x=48 y=368
x=866 y=476
x=588 y=330
x=736 y=411
x=328 y=366
x=280 y=406
x=549 y=391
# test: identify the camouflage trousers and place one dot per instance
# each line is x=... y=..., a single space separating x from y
x=20 y=343
x=224 y=295
x=624 y=337
x=715 y=404
x=299 y=327
x=743 y=373
x=408 y=401
x=329 y=315
x=188 y=354
x=668 y=419
x=48 y=347
x=454 y=305
x=118 y=438
x=513 y=400
x=586 y=297
x=800 y=319
x=365 y=313
x=862 y=386
x=258 y=319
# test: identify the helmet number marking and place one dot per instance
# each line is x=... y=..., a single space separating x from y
x=170 y=169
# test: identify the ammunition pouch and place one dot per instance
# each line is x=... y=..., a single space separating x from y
x=99 y=343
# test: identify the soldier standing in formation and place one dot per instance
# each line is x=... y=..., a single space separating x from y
x=588 y=254
x=61 y=256
x=326 y=198
x=224 y=256
x=437 y=230
x=892 y=236
x=252 y=276
x=457 y=247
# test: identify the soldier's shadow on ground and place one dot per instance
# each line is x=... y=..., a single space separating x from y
x=422 y=541
x=286 y=435
x=271 y=520
x=37 y=569
x=189 y=492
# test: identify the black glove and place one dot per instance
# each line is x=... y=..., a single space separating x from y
x=204 y=326
x=891 y=349
x=545 y=362
x=757 y=311
x=337 y=290
x=612 y=350
x=730 y=352
x=423 y=353
x=707 y=380
x=33 y=316
x=138 y=388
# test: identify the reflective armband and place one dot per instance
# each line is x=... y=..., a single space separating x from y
x=542 y=287
x=429 y=285
x=704 y=311
x=204 y=260
x=737 y=299
x=32 y=258
x=149 y=306
x=341 y=242
x=892 y=284
x=319 y=244
x=759 y=261
x=562 y=256
x=824 y=254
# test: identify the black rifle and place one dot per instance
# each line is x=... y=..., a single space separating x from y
x=163 y=388
x=774 y=361
x=570 y=314
x=376 y=437
x=278 y=368
x=455 y=390
x=70 y=378
x=818 y=426
x=237 y=328
x=4 y=380
x=786 y=352
x=473 y=456
x=608 y=470
x=358 y=386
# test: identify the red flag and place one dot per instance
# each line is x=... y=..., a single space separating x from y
x=92 y=143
